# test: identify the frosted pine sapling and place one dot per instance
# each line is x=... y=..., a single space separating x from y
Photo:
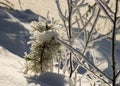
x=43 y=49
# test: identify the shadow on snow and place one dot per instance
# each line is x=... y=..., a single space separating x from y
x=13 y=36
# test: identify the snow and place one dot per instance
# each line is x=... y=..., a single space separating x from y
x=10 y=69
x=11 y=73
x=45 y=36
x=14 y=35
x=11 y=63
x=52 y=79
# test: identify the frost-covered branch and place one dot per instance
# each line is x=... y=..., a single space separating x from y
x=104 y=9
x=106 y=6
x=70 y=10
x=79 y=53
x=60 y=11
x=100 y=37
x=84 y=25
x=78 y=4
x=83 y=65
x=91 y=31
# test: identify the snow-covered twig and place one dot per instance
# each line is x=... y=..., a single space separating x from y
x=91 y=31
x=78 y=5
x=60 y=11
x=96 y=17
x=83 y=65
x=85 y=25
x=80 y=16
x=70 y=10
x=79 y=53
x=106 y=6
x=104 y=9
x=100 y=37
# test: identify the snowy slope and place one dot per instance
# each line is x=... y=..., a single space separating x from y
x=10 y=69
x=11 y=73
x=13 y=35
x=11 y=64
x=13 y=43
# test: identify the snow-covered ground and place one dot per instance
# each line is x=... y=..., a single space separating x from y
x=14 y=27
x=10 y=69
x=11 y=73
x=14 y=35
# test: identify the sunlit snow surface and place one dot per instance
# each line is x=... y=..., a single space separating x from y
x=10 y=69
x=12 y=65
x=11 y=73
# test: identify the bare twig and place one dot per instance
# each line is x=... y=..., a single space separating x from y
x=117 y=75
x=105 y=11
x=20 y=4
x=60 y=11
x=70 y=9
x=113 y=44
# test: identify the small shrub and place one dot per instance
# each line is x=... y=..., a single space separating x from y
x=43 y=49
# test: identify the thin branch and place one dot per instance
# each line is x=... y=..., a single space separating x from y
x=80 y=16
x=63 y=17
x=100 y=37
x=76 y=7
x=113 y=44
x=106 y=6
x=79 y=53
x=91 y=31
x=60 y=11
x=70 y=9
x=117 y=75
x=19 y=1
x=84 y=66
x=70 y=18
x=31 y=59
x=86 y=24
x=41 y=57
x=90 y=34
x=10 y=3
x=6 y=5
x=98 y=76
x=105 y=11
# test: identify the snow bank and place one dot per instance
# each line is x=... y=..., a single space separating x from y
x=10 y=69
x=11 y=73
